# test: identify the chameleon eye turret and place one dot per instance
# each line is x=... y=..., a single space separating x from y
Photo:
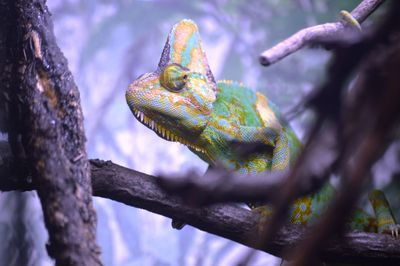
x=174 y=77
x=176 y=100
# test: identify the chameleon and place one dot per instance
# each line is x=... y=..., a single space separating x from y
x=181 y=102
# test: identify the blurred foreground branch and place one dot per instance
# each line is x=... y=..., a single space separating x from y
x=238 y=224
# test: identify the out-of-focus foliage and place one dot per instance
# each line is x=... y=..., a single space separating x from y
x=110 y=43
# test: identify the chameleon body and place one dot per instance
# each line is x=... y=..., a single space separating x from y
x=181 y=101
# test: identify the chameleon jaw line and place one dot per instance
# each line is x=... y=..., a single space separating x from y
x=163 y=132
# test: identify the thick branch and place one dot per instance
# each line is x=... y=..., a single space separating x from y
x=315 y=34
x=142 y=191
x=50 y=125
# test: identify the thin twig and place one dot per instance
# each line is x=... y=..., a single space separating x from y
x=318 y=33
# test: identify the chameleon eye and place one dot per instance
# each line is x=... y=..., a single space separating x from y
x=174 y=77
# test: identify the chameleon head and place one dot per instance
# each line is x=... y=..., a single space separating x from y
x=175 y=103
x=176 y=100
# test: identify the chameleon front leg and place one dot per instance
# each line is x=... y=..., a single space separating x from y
x=244 y=135
x=386 y=222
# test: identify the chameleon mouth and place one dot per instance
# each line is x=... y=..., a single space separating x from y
x=163 y=132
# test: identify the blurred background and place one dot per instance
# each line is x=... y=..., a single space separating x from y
x=110 y=43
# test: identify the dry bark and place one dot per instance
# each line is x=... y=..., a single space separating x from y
x=44 y=122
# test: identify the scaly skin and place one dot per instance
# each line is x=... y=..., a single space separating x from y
x=180 y=101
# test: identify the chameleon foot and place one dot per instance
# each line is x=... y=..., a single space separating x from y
x=392 y=229
x=384 y=216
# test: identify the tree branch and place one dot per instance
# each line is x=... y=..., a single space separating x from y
x=370 y=118
x=238 y=224
x=318 y=33
x=50 y=130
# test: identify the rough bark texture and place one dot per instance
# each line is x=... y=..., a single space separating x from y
x=44 y=101
x=143 y=191
x=139 y=190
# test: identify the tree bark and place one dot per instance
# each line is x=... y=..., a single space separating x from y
x=43 y=100
x=143 y=191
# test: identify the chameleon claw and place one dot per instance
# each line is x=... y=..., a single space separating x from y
x=392 y=230
x=395 y=231
x=350 y=20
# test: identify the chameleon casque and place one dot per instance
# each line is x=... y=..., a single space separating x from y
x=181 y=101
